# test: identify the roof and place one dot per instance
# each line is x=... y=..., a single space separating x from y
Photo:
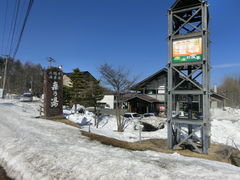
x=128 y=97
x=181 y=4
x=150 y=78
x=108 y=92
x=218 y=96
x=86 y=75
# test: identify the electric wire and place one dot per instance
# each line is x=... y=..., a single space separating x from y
x=14 y=27
x=23 y=27
x=15 y=20
x=21 y=15
x=4 y=26
x=11 y=23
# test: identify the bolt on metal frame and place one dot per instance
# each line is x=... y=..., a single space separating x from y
x=185 y=23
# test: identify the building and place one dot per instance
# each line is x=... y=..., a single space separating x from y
x=150 y=95
x=108 y=99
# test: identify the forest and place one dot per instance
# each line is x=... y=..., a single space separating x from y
x=22 y=77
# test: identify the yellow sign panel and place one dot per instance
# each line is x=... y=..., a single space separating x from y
x=187 y=50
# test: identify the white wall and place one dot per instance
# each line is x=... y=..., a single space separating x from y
x=108 y=99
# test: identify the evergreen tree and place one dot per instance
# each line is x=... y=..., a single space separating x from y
x=67 y=96
x=79 y=87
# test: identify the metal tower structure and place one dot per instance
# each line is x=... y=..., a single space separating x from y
x=189 y=76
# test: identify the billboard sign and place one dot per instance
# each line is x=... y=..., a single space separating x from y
x=187 y=50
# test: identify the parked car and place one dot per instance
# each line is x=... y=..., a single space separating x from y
x=149 y=115
x=180 y=114
x=26 y=97
x=132 y=116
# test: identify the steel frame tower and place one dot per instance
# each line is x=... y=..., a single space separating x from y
x=189 y=75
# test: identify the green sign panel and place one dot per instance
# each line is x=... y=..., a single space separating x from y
x=188 y=58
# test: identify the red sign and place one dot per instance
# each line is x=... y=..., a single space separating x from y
x=162 y=108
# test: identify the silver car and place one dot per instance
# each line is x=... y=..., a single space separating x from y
x=26 y=97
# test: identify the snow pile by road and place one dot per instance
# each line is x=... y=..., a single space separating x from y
x=226 y=126
x=108 y=127
x=33 y=148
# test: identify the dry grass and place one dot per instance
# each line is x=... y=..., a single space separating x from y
x=216 y=152
x=159 y=145
x=65 y=121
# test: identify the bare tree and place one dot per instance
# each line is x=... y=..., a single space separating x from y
x=120 y=81
x=231 y=89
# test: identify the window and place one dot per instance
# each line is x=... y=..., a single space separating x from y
x=151 y=91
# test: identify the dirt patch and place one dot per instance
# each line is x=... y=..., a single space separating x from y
x=3 y=175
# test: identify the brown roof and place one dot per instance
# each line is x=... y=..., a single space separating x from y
x=144 y=97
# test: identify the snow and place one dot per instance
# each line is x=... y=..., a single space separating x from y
x=108 y=127
x=225 y=127
x=32 y=148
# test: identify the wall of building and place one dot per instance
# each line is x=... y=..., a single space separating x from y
x=108 y=99
x=156 y=88
x=66 y=81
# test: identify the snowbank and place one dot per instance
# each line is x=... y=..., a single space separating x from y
x=226 y=126
x=40 y=149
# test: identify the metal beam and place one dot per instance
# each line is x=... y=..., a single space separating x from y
x=181 y=18
x=186 y=22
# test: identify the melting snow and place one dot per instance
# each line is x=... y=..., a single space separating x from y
x=33 y=148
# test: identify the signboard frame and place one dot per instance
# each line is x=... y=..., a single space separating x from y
x=187 y=50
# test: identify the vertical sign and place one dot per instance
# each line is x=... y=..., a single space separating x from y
x=53 y=92
x=187 y=50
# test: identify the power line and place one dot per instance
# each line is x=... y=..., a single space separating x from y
x=14 y=27
x=16 y=16
x=23 y=27
x=4 y=25
x=11 y=26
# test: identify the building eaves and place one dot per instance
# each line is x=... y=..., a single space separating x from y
x=148 y=79
x=128 y=97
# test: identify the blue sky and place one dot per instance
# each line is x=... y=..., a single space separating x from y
x=88 y=33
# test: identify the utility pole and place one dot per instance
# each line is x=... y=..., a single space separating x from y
x=5 y=74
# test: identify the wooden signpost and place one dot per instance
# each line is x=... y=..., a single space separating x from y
x=53 y=93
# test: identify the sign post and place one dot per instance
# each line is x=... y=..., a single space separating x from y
x=53 y=93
